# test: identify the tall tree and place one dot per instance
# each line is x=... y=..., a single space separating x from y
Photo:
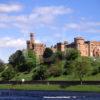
x=1 y=65
x=39 y=73
x=70 y=57
x=72 y=54
x=17 y=59
x=32 y=58
x=59 y=55
x=48 y=56
x=82 y=67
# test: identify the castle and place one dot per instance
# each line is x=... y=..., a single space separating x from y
x=38 y=48
x=86 y=48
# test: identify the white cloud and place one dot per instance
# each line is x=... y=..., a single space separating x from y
x=12 y=43
x=7 y=8
x=3 y=25
x=89 y=27
x=39 y=17
x=19 y=43
x=48 y=14
x=52 y=10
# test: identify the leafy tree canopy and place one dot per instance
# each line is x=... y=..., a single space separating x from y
x=82 y=67
x=8 y=73
x=72 y=54
x=17 y=58
x=47 y=53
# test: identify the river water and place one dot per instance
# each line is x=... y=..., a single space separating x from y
x=47 y=95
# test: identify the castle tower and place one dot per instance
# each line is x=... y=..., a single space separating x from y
x=32 y=38
x=80 y=45
x=60 y=47
x=79 y=41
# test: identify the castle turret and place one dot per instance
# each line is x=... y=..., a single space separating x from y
x=80 y=45
x=79 y=42
x=32 y=38
x=60 y=47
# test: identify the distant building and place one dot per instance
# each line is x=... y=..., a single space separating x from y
x=86 y=48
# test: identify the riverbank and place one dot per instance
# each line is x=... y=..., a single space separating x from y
x=90 y=88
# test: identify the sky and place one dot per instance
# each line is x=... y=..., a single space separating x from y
x=52 y=21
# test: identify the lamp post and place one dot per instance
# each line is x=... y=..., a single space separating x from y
x=23 y=80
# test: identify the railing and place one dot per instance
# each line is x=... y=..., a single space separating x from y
x=52 y=82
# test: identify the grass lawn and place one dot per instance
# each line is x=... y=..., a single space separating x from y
x=28 y=77
x=93 y=88
x=72 y=78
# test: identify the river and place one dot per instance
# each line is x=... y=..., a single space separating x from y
x=47 y=95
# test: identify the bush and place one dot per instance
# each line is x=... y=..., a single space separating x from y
x=95 y=71
x=26 y=67
x=96 y=67
x=72 y=54
x=54 y=71
x=39 y=73
x=60 y=55
x=68 y=67
x=8 y=73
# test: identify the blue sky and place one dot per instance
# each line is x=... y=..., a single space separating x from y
x=51 y=20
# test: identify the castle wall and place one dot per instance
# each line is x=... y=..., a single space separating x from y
x=95 y=48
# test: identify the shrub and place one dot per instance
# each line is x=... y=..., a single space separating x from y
x=54 y=71
x=8 y=73
x=96 y=67
x=39 y=73
x=26 y=67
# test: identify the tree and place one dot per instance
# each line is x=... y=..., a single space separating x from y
x=72 y=54
x=59 y=55
x=23 y=61
x=39 y=73
x=95 y=62
x=70 y=57
x=68 y=67
x=2 y=65
x=31 y=59
x=54 y=71
x=82 y=67
x=48 y=56
x=8 y=73
x=17 y=59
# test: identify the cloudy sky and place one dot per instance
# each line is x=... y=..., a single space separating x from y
x=51 y=21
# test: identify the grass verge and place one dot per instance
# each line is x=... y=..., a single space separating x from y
x=90 y=88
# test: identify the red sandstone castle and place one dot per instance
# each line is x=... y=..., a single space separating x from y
x=86 y=48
